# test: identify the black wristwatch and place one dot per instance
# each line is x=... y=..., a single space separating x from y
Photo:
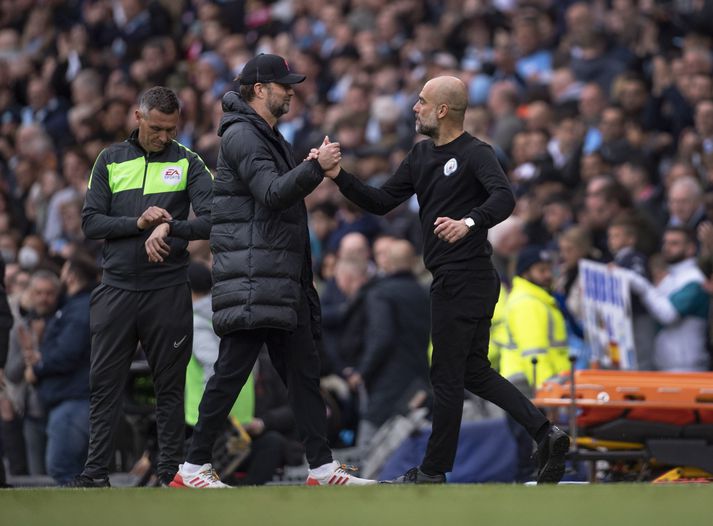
x=170 y=225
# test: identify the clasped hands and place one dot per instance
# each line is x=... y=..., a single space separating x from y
x=328 y=155
x=28 y=338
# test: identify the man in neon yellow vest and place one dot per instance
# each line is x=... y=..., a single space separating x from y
x=533 y=324
x=205 y=352
x=498 y=332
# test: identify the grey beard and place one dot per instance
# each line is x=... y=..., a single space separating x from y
x=279 y=110
x=428 y=131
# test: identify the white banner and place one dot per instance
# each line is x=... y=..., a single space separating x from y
x=606 y=309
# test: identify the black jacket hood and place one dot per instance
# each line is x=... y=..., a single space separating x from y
x=236 y=109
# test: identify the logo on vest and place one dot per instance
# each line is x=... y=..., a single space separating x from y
x=172 y=175
x=450 y=167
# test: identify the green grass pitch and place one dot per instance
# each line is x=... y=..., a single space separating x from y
x=488 y=505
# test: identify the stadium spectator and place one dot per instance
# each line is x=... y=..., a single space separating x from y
x=535 y=327
x=36 y=311
x=393 y=364
x=680 y=303
x=685 y=203
x=59 y=368
x=622 y=240
x=574 y=244
x=6 y=323
x=533 y=332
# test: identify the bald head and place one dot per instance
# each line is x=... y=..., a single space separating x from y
x=354 y=246
x=440 y=109
x=450 y=91
x=400 y=257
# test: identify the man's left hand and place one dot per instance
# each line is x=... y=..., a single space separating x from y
x=156 y=246
x=313 y=155
x=450 y=230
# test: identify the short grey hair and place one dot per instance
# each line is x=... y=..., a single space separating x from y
x=160 y=98
x=45 y=275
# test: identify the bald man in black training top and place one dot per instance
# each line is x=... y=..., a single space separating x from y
x=462 y=191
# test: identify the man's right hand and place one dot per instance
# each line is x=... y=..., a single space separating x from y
x=329 y=157
x=153 y=216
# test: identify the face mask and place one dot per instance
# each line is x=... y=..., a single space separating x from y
x=28 y=258
x=8 y=255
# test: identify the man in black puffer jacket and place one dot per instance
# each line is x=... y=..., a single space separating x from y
x=263 y=292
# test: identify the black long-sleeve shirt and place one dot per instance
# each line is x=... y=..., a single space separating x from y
x=455 y=180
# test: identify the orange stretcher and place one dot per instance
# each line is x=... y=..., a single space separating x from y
x=649 y=417
x=631 y=389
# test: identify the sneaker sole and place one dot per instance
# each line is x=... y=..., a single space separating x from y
x=553 y=471
x=176 y=484
x=313 y=482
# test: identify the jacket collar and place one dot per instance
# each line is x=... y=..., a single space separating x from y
x=682 y=266
x=236 y=109
x=133 y=139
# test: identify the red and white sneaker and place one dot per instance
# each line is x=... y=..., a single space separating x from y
x=204 y=478
x=339 y=475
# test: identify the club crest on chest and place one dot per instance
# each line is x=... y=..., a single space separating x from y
x=450 y=167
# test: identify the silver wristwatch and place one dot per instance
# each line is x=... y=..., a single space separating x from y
x=469 y=222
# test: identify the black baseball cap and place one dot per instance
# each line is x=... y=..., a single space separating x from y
x=529 y=256
x=266 y=68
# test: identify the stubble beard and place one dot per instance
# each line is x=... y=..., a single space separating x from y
x=279 y=108
x=674 y=258
x=426 y=129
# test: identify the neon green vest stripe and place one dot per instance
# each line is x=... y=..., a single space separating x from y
x=160 y=177
x=243 y=409
x=91 y=174
x=128 y=175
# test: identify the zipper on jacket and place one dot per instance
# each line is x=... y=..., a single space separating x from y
x=146 y=169
x=141 y=211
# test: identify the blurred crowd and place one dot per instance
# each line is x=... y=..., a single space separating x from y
x=600 y=112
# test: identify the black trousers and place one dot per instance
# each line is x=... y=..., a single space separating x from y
x=462 y=304
x=162 y=321
x=295 y=357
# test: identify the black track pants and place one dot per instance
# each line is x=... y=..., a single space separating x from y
x=162 y=321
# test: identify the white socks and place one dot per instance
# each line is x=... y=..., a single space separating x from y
x=323 y=470
x=189 y=468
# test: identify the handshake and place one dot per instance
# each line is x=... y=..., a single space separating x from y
x=328 y=155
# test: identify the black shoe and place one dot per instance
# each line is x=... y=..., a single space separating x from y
x=85 y=481
x=164 y=480
x=416 y=476
x=551 y=453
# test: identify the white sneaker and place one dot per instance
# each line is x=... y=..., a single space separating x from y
x=204 y=478
x=338 y=476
